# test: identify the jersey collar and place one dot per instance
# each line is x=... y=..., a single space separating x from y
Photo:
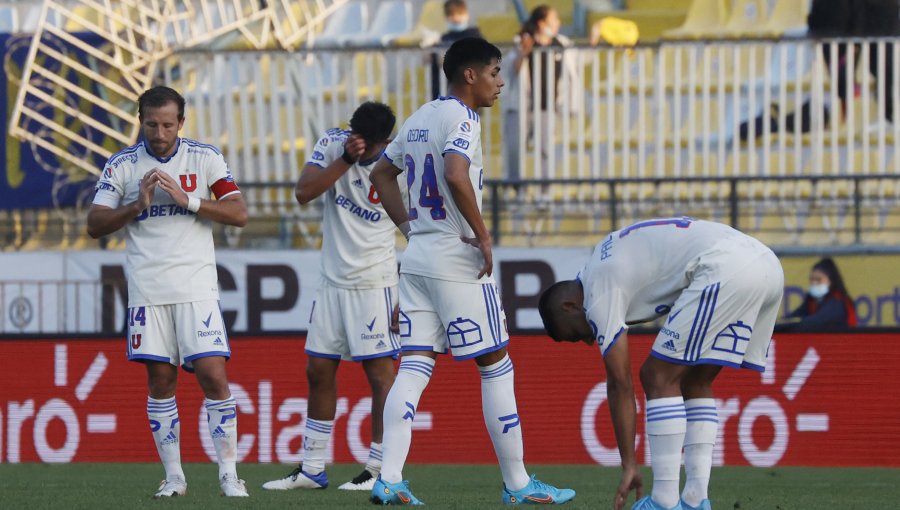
x=157 y=158
x=370 y=161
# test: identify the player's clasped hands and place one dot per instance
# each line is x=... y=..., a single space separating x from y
x=147 y=187
x=168 y=184
x=484 y=246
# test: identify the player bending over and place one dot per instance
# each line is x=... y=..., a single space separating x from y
x=721 y=290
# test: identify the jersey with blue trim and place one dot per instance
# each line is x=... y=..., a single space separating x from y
x=357 y=234
x=635 y=274
x=170 y=256
x=439 y=127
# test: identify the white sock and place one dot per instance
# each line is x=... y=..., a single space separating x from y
x=166 y=429
x=400 y=411
x=222 y=422
x=666 y=426
x=315 y=443
x=373 y=464
x=702 y=425
x=498 y=404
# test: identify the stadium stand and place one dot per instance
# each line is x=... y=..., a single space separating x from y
x=722 y=117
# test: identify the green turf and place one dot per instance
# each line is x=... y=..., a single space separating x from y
x=130 y=486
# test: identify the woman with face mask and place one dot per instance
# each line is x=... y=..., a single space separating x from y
x=529 y=67
x=827 y=304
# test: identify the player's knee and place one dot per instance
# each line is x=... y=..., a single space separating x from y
x=655 y=379
x=319 y=376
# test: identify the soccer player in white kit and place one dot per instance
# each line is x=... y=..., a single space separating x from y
x=166 y=191
x=448 y=299
x=721 y=292
x=351 y=316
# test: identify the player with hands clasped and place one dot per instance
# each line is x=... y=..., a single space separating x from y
x=166 y=191
x=448 y=298
x=720 y=291
x=356 y=301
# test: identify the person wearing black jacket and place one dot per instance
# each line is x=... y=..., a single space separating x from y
x=827 y=304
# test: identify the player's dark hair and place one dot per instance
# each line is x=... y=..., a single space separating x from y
x=468 y=52
x=548 y=306
x=373 y=121
x=160 y=96
x=454 y=6
x=827 y=266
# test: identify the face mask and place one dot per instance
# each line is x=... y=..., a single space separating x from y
x=818 y=290
x=457 y=26
x=548 y=32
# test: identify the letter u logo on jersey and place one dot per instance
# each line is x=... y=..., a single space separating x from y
x=373 y=195
x=188 y=182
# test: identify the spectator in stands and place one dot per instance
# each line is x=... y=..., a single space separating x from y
x=827 y=304
x=540 y=31
x=456 y=13
x=855 y=18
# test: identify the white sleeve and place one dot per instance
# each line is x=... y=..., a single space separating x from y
x=394 y=151
x=109 y=190
x=462 y=135
x=326 y=151
x=606 y=306
x=219 y=177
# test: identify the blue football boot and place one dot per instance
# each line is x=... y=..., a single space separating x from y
x=384 y=493
x=537 y=493
x=646 y=503
x=704 y=505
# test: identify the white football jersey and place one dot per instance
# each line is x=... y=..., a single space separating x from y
x=357 y=234
x=170 y=256
x=636 y=273
x=435 y=250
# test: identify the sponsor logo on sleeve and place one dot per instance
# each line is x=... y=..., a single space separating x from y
x=318 y=156
x=462 y=144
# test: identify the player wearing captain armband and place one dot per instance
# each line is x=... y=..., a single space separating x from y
x=354 y=308
x=720 y=291
x=166 y=192
x=448 y=298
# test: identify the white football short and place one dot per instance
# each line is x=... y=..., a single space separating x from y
x=435 y=315
x=725 y=321
x=352 y=324
x=177 y=333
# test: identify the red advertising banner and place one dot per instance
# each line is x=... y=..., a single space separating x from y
x=826 y=400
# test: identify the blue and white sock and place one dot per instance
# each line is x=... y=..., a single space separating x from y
x=666 y=423
x=498 y=404
x=699 y=441
x=315 y=444
x=373 y=464
x=222 y=422
x=400 y=411
x=166 y=428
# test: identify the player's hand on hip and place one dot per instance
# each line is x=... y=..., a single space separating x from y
x=631 y=480
x=147 y=187
x=170 y=186
x=354 y=147
x=484 y=246
x=395 y=319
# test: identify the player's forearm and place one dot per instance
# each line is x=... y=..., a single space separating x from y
x=315 y=180
x=464 y=197
x=389 y=193
x=620 y=394
x=103 y=221
x=229 y=211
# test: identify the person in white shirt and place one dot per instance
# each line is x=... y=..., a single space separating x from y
x=352 y=314
x=448 y=298
x=720 y=291
x=166 y=191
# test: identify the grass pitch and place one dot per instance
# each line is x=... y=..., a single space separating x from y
x=131 y=486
